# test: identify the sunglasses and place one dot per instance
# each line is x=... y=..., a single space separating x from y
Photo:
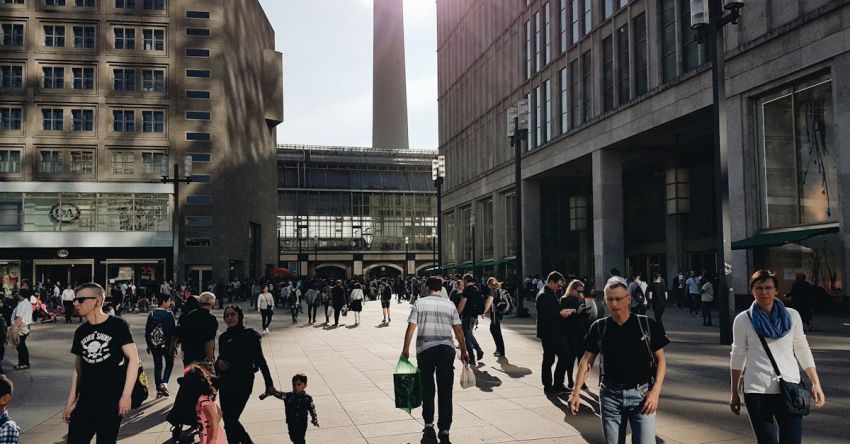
x=81 y=299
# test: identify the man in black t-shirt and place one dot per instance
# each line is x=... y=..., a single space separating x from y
x=631 y=368
x=471 y=306
x=105 y=371
x=196 y=331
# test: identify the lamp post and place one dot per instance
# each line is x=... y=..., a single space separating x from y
x=316 y=255
x=708 y=17
x=438 y=175
x=517 y=127
x=434 y=246
x=406 y=255
x=472 y=227
x=175 y=229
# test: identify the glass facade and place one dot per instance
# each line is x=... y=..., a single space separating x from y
x=355 y=221
x=84 y=212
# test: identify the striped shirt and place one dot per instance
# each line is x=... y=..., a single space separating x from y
x=434 y=318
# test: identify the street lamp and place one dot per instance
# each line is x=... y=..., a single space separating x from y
x=438 y=175
x=316 y=254
x=434 y=246
x=517 y=127
x=175 y=229
x=472 y=227
x=406 y=255
x=708 y=19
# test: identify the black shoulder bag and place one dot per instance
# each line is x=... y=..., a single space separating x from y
x=798 y=399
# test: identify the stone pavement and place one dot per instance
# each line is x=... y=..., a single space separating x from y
x=350 y=378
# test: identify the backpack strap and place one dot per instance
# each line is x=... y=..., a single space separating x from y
x=600 y=326
x=646 y=337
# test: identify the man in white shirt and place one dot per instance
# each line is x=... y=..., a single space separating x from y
x=693 y=293
x=22 y=318
x=68 y=296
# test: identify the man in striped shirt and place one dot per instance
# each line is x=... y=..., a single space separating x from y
x=436 y=318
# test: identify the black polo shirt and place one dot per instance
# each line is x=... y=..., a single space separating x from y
x=626 y=359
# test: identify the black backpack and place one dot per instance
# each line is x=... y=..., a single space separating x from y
x=157 y=336
x=502 y=302
x=639 y=296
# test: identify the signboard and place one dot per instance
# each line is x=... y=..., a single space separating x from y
x=65 y=213
x=63 y=253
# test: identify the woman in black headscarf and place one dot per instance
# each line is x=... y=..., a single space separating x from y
x=240 y=356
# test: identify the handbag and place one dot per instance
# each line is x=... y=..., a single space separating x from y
x=140 y=389
x=798 y=399
x=467 y=377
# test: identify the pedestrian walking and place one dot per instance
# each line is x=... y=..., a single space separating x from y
x=338 y=300
x=159 y=336
x=326 y=301
x=240 y=357
x=313 y=299
x=21 y=321
x=803 y=299
x=298 y=404
x=768 y=341
x=470 y=308
x=706 y=298
x=386 y=297
x=198 y=381
x=104 y=373
x=4 y=329
x=497 y=304
x=658 y=297
x=574 y=325
x=693 y=293
x=549 y=330
x=10 y=433
x=356 y=302
x=294 y=301
x=436 y=320
x=68 y=302
x=679 y=289
x=632 y=367
x=265 y=304
x=196 y=330
x=638 y=288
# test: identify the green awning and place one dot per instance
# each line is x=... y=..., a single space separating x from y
x=486 y=263
x=464 y=265
x=449 y=266
x=776 y=239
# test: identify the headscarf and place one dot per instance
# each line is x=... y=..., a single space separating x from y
x=775 y=325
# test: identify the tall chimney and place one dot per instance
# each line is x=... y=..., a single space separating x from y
x=389 y=87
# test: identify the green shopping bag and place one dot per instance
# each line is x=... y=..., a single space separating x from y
x=407 y=382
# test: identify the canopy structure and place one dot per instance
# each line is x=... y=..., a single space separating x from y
x=779 y=238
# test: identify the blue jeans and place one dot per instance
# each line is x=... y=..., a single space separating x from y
x=619 y=406
x=467 y=324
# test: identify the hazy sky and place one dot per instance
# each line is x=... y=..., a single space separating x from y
x=327 y=70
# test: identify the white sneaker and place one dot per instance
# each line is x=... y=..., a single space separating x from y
x=266 y=331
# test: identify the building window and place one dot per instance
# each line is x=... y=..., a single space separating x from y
x=690 y=47
x=85 y=3
x=547 y=127
x=153 y=80
x=13 y=35
x=200 y=95
x=198 y=73
x=123 y=163
x=198 y=137
x=547 y=36
x=154 y=5
x=153 y=121
x=623 y=64
x=588 y=16
x=51 y=162
x=201 y=178
x=576 y=24
x=198 y=221
x=153 y=40
x=155 y=163
x=125 y=79
x=538 y=43
x=200 y=157
x=198 y=32
x=563 y=25
x=538 y=116
x=10 y=161
x=798 y=156
x=54 y=2
x=124 y=121
x=608 y=8
x=564 y=103
x=198 y=14
x=574 y=94
x=587 y=86
x=607 y=74
x=529 y=49
x=53 y=77
x=10 y=119
x=52 y=119
x=668 y=40
x=639 y=26
x=54 y=36
x=84 y=37
x=510 y=224
x=199 y=200
x=13 y=2
x=197 y=52
x=125 y=4
x=83 y=78
x=11 y=77
x=125 y=38
x=82 y=162
x=82 y=120
x=198 y=242
x=197 y=115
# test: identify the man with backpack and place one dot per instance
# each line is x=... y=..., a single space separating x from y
x=159 y=334
x=471 y=306
x=637 y=289
x=632 y=367
x=498 y=303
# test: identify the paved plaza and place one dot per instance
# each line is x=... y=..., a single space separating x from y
x=350 y=378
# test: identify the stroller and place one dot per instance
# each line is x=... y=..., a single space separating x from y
x=41 y=313
x=183 y=414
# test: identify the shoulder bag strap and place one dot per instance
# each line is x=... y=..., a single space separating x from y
x=646 y=338
x=766 y=348
x=601 y=328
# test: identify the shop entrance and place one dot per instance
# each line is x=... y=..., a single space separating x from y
x=144 y=273
x=200 y=276
x=75 y=272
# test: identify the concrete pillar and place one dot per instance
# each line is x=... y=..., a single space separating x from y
x=531 y=239
x=742 y=200
x=674 y=238
x=357 y=270
x=841 y=110
x=608 y=247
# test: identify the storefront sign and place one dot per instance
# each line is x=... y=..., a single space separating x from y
x=63 y=253
x=65 y=213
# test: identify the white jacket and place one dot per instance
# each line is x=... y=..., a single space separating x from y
x=265 y=300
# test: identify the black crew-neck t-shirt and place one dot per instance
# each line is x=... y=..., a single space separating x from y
x=194 y=331
x=103 y=367
x=625 y=357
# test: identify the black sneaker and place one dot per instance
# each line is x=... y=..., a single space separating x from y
x=443 y=436
x=550 y=391
x=560 y=389
x=480 y=354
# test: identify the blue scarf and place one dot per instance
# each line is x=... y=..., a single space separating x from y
x=775 y=325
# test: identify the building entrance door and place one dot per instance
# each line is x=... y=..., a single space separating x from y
x=75 y=272
x=200 y=275
x=703 y=261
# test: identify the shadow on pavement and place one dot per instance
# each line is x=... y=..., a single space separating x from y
x=352 y=326
x=514 y=371
x=382 y=325
x=485 y=381
x=588 y=423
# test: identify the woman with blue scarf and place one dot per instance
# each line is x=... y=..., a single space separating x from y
x=782 y=329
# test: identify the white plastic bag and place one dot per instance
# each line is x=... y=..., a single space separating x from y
x=467 y=377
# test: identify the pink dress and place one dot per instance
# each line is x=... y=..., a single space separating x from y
x=204 y=421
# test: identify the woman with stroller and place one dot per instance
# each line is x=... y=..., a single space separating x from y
x=240 y=356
